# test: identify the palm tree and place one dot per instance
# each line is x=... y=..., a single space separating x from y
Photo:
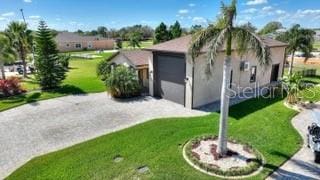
x=298 y=39
x=215 y=37
x=21 y=40
x=7 y=53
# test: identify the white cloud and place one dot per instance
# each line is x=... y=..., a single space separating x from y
x=27 y=1
x=3 y=19
x=8 y=14
x=280 y=12
x=250 y=11
x=72 y=22
x=309 y=12
x=58 y=19
x=192 y=5
x=257 y=2
x=34 y=17
x=267 y=8
x=183 y=11
x=200 y=20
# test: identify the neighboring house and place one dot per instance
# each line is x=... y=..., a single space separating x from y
x=137 y=59
x=68 y=41
x=176 y=77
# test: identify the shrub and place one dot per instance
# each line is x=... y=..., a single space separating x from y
x=123 y=82
x=64 y=60
x=103 y=69
x=118 y=43
x=10 y=87
x=292 y=84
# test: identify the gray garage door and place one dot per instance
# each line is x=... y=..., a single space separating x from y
x=170 y=76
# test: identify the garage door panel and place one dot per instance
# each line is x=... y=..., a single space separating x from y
x=172 y=91
x=170 y=78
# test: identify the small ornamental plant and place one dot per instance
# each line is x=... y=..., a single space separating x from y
x=10 y=87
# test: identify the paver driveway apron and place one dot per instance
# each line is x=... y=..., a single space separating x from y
x=45 y=126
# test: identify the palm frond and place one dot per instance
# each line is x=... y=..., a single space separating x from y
x=201 y=39
x=215 y=44
x=246 y=40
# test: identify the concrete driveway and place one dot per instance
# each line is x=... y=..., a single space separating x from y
x=35 y=129
x=301 y=165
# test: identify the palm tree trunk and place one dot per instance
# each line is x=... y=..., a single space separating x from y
x=224 y=108
x=23 y=58
x=24 y=68
x=291 y=63
x=3 y=75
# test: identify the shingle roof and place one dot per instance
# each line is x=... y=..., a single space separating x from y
x=72 y=37
x=181 y=45
x=137 y=57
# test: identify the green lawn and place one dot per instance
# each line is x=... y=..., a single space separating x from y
x=81 y=78
x=264 y=123
x=144 y=44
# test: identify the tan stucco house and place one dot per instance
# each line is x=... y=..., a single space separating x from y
x=176 y=77
x=68 y=41
x=137 y=59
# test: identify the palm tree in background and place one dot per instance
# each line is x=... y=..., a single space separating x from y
x=21 y=39
x=298 y=39
x=225 y=34
x=7 y=53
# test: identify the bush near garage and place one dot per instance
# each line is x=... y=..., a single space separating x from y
x=123 y=82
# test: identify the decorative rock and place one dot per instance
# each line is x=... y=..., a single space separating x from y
x=143 y=169
x=118 y=159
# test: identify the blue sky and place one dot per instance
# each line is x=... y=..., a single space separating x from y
x=88 y=14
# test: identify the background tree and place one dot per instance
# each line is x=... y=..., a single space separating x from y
x=271 y=27
x=175 y=30
x=215 y=37
x=119 y=43
x=21 y=39
x=50 y=71
x=80 y=32
x=195 y=28
x=248 y=26
x=102 y=31
x=161 y=34
x=7 y=53
x=298 y=39
x=135 y=39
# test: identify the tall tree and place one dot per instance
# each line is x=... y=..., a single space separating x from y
x=135 y=39
x=50 y=71
x=250 y=27
x=7 y=53
x=80 y=32
x=271 y=27
x=195 y=28
x=175 y=30
x=298 y=39
x=215 y=37
x=102 y=31
x=161 y=34
x=21 y=40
